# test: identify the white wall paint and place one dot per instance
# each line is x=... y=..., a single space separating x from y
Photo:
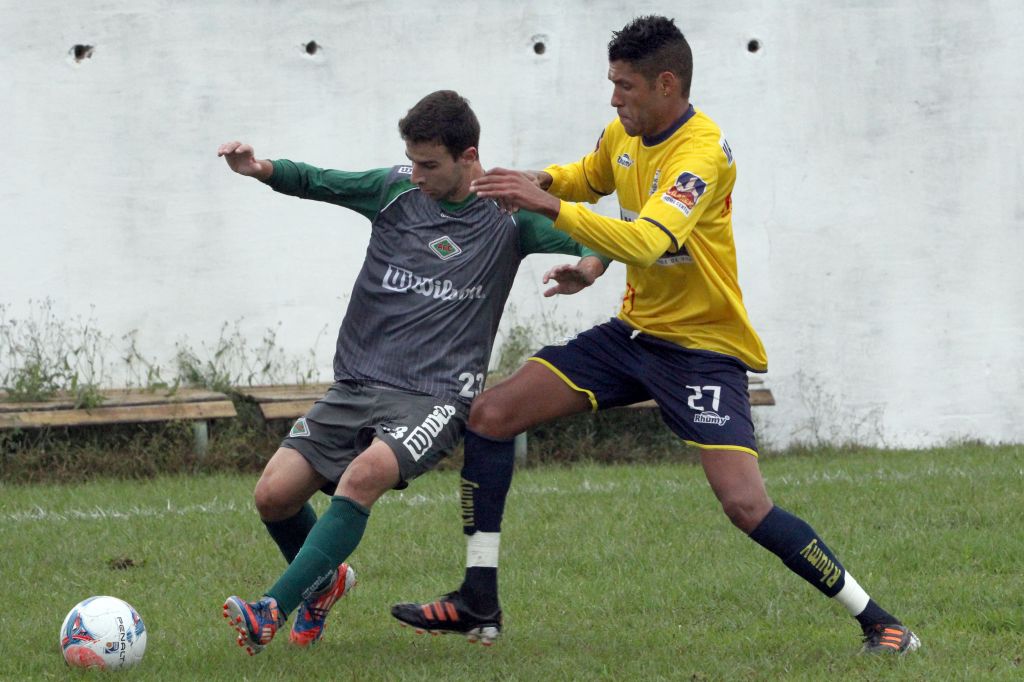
x=878 y=212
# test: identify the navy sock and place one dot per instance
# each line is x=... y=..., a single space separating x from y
x=290 y=533
x=486 y=478
x=801 y=550
x=873 y=614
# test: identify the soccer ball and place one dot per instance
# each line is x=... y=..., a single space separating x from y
x=103 y=632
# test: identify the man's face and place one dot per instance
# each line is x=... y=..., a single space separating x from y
x=639 y=103
x=436 y=173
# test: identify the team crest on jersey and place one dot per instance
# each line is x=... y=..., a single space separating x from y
x=404 y=170
x=654 y=182
x=299 y=428
x=624 y=160
x=685 y=193
x=445 y=248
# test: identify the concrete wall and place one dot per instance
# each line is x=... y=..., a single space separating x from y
x=878 y=213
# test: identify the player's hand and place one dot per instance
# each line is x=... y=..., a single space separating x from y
x=571 y=279
x=516 y=190
x=241 y=159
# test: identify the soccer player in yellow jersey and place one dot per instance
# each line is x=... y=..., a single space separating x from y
x=682 y=337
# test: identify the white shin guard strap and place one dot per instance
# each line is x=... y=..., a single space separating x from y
x=852 y=596
x=482 y=549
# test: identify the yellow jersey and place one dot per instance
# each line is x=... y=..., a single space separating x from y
x=675 y=235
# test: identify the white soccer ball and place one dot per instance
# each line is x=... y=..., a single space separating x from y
x=103 y=632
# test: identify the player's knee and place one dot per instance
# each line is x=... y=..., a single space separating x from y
x=272 y=503
x=490 y=417
x=365 y=480
x=745 y=513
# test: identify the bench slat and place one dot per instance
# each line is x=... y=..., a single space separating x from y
x=118 y=398
x=210 y=409
x=287 y=409
x=267 y=394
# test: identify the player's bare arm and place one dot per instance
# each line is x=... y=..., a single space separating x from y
x=518 y=189
x=571 y=279
x=241 y=159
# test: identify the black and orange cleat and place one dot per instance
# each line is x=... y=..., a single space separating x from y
x=449 y=615
x=889 y=639
x=256 y=622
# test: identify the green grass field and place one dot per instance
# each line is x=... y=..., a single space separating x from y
x=609 y=572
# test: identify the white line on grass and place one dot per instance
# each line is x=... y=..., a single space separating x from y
x=585 y=486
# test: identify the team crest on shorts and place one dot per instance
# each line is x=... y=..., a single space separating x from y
x=685 y=193
x=299 y=428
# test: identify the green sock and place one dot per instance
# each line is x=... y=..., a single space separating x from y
x=334 y=537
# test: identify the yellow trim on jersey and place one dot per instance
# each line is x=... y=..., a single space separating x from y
x=675 y=234
x=734 y=448
x=590 y=394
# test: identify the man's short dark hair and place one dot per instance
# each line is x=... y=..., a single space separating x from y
x=652 y=45
x=443 y=117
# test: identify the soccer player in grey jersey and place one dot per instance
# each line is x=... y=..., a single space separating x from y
x=412 y=351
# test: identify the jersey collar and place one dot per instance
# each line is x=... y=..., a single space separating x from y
x=650 y=141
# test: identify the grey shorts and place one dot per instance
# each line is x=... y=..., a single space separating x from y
x=421 y=430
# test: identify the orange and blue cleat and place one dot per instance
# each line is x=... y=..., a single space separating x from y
x=308 y=627
x=256 y=622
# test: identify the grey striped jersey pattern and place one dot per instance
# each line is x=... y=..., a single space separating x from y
x=425 y=307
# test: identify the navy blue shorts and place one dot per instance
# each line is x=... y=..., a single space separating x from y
x=703 y=396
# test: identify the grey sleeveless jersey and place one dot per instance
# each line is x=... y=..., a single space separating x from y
x=425 y=307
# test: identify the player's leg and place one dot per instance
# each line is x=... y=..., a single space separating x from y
x=401 y=436
x=713 y=413
x=559 y=381
x=338 y=531
x=738 y=485
x=318 y=569
x=533 y=395
x=282 y=499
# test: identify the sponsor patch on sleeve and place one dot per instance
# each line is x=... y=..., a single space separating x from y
x=685 y=193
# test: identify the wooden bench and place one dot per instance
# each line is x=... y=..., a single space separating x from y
x=284 y=402
x=291 y=402
x=123 y=406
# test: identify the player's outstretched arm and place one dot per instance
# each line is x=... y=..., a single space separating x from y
x=241 y=159
x=571 y=279
x=518 y=190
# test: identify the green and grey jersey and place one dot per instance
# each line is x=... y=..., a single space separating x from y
x=425 y=307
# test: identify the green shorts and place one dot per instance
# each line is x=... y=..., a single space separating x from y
x=420 y=429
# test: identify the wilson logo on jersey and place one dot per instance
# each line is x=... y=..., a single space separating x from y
x=445 y=248
x=422 y=437
x=402 y=280
x=685 y=194
x=624 y=160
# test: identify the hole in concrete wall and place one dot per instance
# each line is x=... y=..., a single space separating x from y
x=754 y=45
x=80 y=52
x=312 y=48
x=539 y=41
